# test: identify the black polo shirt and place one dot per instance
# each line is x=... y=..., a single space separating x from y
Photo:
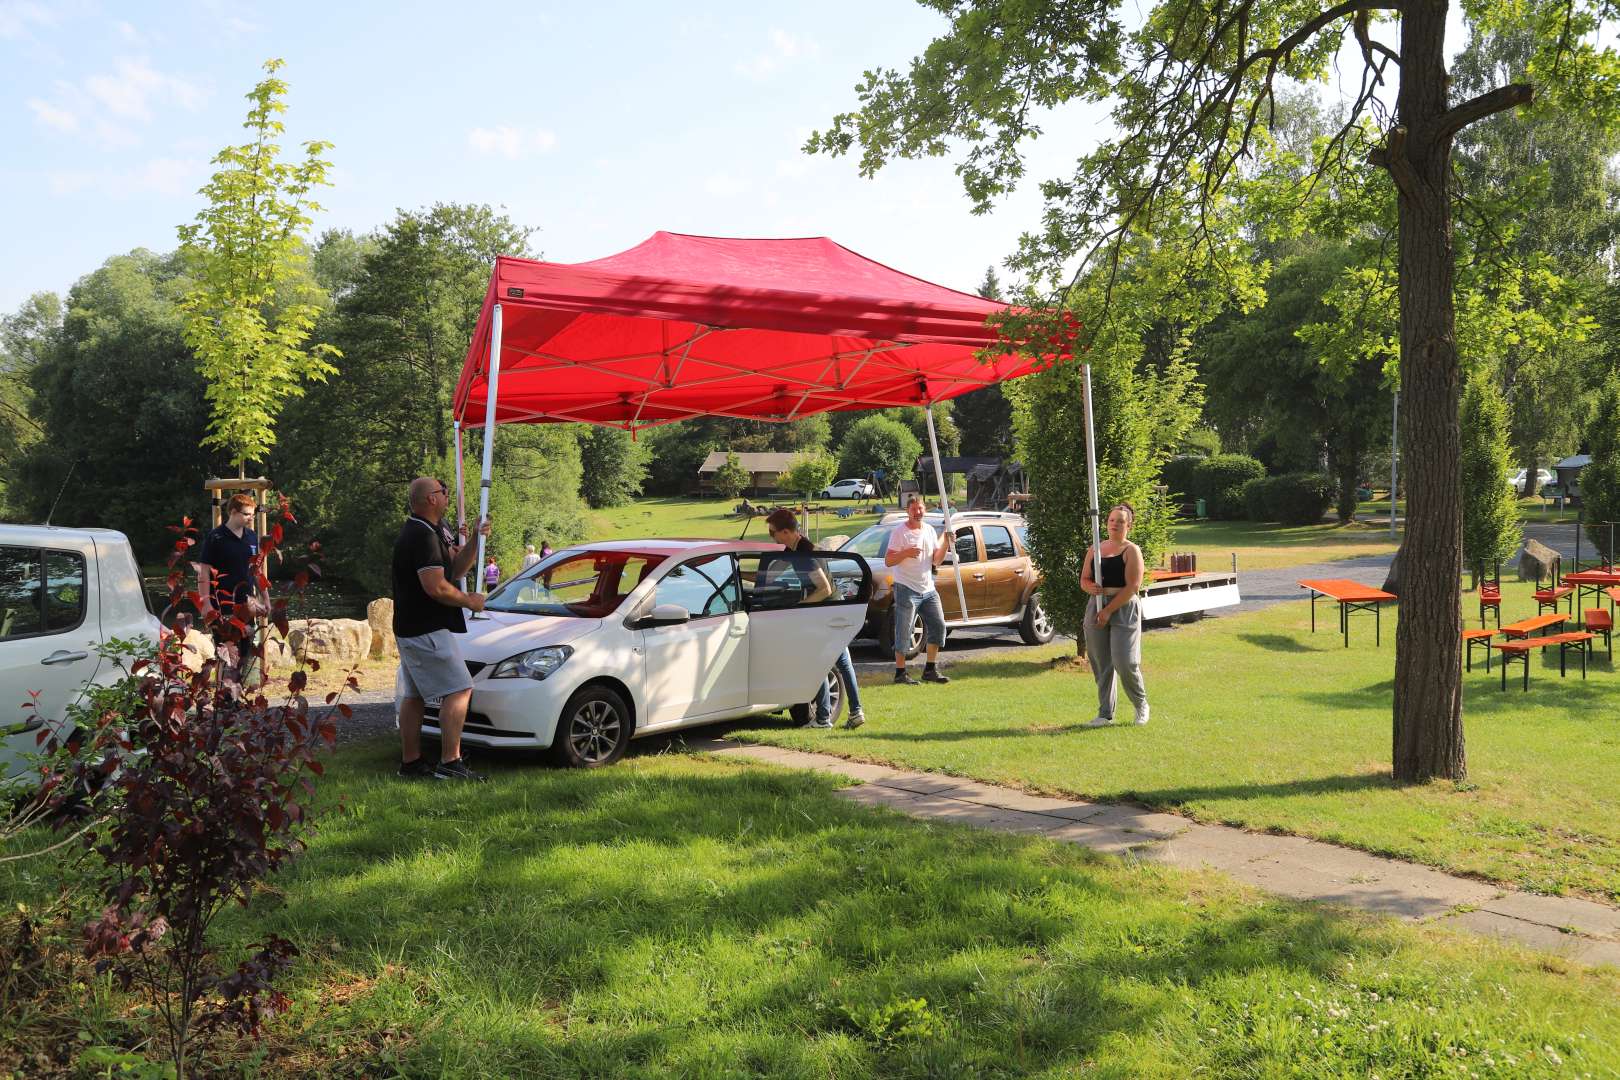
x=421 y=544
x=231 y=557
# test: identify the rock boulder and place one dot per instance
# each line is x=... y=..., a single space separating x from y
x=1536 y=561
x=380 y=615
x=343 y=642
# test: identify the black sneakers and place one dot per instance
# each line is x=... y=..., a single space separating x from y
x=901 y=676
x=420 y=769
x=931 y=674
x=456 y=770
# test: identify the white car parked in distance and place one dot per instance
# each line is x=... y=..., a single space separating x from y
x=606 y=642
x=1543 y=478
x=849 y=489
x=63 y=593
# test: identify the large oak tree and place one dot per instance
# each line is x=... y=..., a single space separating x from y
x=1192 y=90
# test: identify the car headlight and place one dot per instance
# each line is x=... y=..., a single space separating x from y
x=534 y=664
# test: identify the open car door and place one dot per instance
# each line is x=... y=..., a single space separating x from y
x=804 y=608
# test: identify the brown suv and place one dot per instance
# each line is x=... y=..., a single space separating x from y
x=999 y=579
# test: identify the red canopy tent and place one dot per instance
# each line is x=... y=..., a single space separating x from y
x=684 y=326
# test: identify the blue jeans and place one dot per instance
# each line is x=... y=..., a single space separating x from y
x=907 y=602
x=845 y=667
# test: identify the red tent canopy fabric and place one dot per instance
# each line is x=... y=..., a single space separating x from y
x=683 y=326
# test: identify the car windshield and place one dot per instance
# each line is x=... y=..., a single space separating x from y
x=575 y=584
x=870 y=542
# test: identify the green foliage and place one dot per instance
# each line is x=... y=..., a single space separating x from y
x=252 y=305
x=809 y=473
x=118 y=394
x=879 y=443
x=984 y=418
x=895 y=1021
x=1292 y=499
x=25 y=339
x=730 y=478
x=1600 y=480
x=1201 y=442
x=1179 y=475
x=1219 y=480
x=676 y=450
x=409 y=298
x=1490 y=510
x=613 y=466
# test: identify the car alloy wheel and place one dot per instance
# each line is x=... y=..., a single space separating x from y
x=594 y=729
x=803 y=714
x=1036 y=626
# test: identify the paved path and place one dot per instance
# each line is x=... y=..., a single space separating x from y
x=1581 y=930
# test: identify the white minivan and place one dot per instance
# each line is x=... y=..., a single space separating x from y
x=63 y=593
x=606 y=642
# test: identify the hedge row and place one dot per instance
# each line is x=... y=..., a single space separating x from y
x=1293 y=498
x=1235 y=486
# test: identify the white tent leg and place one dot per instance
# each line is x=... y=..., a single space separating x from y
x=489 y=439
x=945 y=504
x=461 y=491
x=1091 y=474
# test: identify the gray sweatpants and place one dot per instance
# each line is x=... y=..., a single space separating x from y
x=1116 y=648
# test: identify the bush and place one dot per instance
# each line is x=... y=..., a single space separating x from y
x=1293 y=498
x=1219 y=481
x=878 y=443
x=1600 y=481
x=1180 y=476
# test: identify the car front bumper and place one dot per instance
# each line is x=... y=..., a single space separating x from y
x=509 y=713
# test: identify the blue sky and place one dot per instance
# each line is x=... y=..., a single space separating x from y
x=595 y=123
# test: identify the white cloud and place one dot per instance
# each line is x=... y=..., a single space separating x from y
x=159 y=176
x=510 y=142
x=134 y=87
x=724 y=185
x=784 y=47
x=17 y=16
x=110 y=107
x=53 y=117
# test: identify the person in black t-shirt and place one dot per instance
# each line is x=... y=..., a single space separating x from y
x=224 y=562
x=427 y=618
x=784 y=529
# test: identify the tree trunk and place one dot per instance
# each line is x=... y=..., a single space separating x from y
x=1428 y=732
x=1347 y=465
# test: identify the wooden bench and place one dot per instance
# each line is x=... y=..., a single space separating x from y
x=1579 y=640
x=1515 y=652
x=1480 y=639
x=1525 y=627
x=1552 y=597
x=1353 y=598
x=1599 y=621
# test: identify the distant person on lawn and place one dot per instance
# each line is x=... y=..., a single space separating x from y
x=226 y=582
x=1113 y=623
x=530 y=558
x=914 y=550
x=427 y=619
x=784 y=529
x=492 y=573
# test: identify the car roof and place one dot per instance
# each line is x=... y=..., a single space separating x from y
x=673 y=547
x=45 y=533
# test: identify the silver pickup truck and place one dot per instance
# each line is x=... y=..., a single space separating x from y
x=63 y=593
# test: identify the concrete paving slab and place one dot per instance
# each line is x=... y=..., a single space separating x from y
x=1507 y=928
x=1585 y=916
x=1582 y=930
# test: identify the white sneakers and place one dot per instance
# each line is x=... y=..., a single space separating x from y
x=856 y=719
x=1104 y=721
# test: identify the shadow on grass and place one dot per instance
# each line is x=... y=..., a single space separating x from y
x=644 y=919
x=1277 y=643
x=1285 y=789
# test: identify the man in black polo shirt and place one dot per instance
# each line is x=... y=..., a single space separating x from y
x=224 y=562
x=427 y=619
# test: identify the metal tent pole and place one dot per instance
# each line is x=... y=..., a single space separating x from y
x=461 y=493
x=489 y=439
x=945 y=504
x=1091 y=474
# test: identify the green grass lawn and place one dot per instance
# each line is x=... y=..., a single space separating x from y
x=1257 y=722
x=679 y=517
x=688 y=917
x=1257 y=546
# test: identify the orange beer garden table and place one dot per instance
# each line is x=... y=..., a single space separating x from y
x=1593 y=583
x=1353 y=598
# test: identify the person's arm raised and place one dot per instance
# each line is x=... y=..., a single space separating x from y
x=436 y=585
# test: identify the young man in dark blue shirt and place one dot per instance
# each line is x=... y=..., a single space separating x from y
x=224 y=563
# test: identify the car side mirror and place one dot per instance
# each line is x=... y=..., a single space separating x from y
x=665 y=615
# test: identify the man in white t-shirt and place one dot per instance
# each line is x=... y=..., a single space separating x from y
x=530 y=557
x=914 y=550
